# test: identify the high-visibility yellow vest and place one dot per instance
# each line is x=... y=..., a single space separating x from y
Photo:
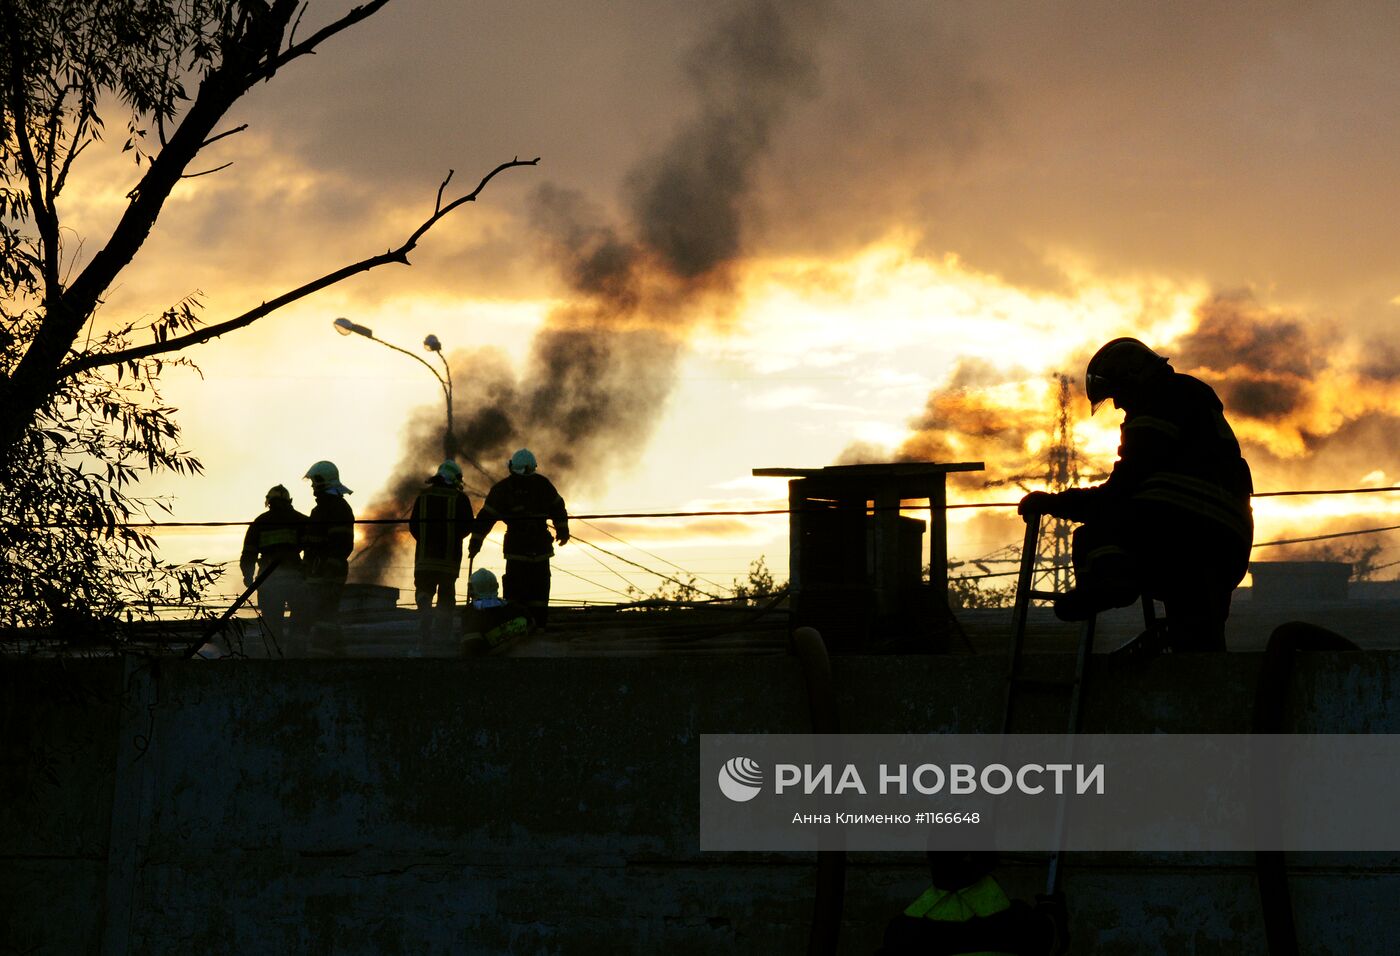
x=983 y=898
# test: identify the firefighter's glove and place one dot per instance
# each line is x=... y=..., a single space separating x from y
x=1036 y=503
x=473 y=547
x=563 y=539
x=247 y=582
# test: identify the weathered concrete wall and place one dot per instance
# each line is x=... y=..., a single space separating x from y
x=538 y=805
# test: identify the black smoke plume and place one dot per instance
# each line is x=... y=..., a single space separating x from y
x=602 y=367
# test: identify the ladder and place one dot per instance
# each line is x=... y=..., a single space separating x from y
x=1017 y=681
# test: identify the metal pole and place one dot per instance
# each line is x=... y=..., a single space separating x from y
x=449 y=440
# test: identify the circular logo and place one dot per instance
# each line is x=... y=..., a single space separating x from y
x=740 y=779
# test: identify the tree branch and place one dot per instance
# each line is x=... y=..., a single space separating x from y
x=230 y=132
x=39 y=207
x=77 y=145
x=398 y=254
x=292 y=34
x=437 y=203
x=52 y=126
x=206 y=172
x=247 y=57
x=309 y=45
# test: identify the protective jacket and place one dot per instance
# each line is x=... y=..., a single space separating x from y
x=523 y=502
x=977 y=920
x=1177 y=453
x=329 y=538
x=442 y=517
x=495 y=620
x=276 y=534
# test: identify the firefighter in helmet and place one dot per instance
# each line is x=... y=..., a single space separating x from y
x=487 y=621
x=441 y=518
x=272 y=553
x=329 y=540
x=524 y=500
x=1173 y=520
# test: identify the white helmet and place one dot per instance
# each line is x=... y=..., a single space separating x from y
x=523 y=462
x=325 y=476
x=450 y=472
x=482 y=583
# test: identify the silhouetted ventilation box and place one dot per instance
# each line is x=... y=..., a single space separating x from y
x=1297 y=582
x=856 y=565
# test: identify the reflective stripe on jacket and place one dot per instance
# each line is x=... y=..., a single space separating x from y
x=983 y=898
x=442 y=517
x=276 y=533
x=1177 y=451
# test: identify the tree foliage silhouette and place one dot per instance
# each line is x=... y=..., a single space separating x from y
x=80 y=413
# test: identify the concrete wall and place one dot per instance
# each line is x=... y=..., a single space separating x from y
x=541 y=806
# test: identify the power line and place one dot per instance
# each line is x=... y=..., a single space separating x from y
x=1325 y=491
x=664 y=577
x=1260 y=544
x=735 y=512
x=607 y=567
x=1325 y=537
x=583 y=519
x=601 y=587
x=648 y=553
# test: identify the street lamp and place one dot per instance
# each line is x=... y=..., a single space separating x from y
x=449 y=439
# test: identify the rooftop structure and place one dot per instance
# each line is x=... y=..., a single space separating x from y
x=856 y=563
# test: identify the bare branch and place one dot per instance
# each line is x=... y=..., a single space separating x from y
x=206 y=172
x=469 y=197
x=437 y=204
x=231 y=132
x=309 y=45
x=398 y=254
x=292 y=34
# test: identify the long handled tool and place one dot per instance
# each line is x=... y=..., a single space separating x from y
x=222 y=621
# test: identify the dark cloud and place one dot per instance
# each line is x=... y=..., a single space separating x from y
x=1235 y=330
x=1201 y=142
x=962 y=421
x=979 y=373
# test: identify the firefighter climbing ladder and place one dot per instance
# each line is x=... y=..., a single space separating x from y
x=1017 y=681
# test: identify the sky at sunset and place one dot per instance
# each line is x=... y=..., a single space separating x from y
x=785 y=234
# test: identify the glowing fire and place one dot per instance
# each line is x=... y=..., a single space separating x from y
x=1312 y=408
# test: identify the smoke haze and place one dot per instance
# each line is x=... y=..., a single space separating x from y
x=600 y=371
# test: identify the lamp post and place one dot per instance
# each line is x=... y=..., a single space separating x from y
x=449 y=439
